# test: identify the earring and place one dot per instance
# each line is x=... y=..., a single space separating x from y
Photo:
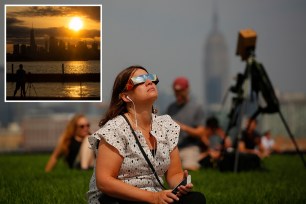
x=155 y=110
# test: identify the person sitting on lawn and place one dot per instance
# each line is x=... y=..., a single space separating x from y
x=135 y=148
x=213 y=140
x=73 y=145
x=250 y=141
x=189 y=115
x=268 y=143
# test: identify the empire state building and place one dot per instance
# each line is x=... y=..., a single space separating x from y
x=33 y=46
x=215 y=65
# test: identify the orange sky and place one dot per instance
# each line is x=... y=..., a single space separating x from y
x=50 y=21
x=54 y=18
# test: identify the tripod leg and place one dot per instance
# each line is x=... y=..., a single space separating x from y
x=27 y=90
x=242 y=110
x=34 y=89
x=292 y=138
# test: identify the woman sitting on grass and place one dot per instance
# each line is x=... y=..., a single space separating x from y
x=123 y=173
x=73 y=145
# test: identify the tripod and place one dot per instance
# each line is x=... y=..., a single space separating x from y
x=29 y=87
x=256 y=80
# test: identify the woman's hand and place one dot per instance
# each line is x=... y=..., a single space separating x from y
x=164 y=197
x=183 y=190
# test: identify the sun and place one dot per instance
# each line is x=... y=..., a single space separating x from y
x=76 y=24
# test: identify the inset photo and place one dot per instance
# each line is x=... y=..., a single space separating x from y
x=53 y=53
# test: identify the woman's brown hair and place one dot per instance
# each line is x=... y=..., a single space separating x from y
x=69 y=133
x=117 y=105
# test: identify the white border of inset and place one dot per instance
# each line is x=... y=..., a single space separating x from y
x=101 y=50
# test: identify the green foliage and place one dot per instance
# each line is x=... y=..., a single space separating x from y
x=23 y=180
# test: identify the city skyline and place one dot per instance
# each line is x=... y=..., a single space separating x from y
x=54 y=49
x=52 y=21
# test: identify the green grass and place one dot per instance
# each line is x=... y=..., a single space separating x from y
x=23 y=180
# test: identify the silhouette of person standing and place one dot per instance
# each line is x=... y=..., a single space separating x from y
x=20 y=81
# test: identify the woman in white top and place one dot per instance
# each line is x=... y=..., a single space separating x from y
x=121 y=173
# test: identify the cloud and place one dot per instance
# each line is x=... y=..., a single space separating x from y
x=91 y=12
x=33 y=11
x=21 y=34
x=13 y=21
x=17 y=33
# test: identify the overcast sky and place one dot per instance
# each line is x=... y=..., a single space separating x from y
x=168 y=37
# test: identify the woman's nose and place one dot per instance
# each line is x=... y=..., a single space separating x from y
x=148 y=82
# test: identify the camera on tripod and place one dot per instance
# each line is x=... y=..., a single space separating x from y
x=30 y=84
x=246 y=43
x=254 y=83
x=245 y=48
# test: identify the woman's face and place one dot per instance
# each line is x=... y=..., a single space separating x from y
x=145 y=91
x=82 y=127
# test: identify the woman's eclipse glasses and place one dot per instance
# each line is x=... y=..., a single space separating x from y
x=84 y=125
x=140 y=80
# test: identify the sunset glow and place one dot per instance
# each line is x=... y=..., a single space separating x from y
x=76 y=24
x=52 y=23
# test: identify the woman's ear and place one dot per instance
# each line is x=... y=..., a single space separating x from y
x=123 y=96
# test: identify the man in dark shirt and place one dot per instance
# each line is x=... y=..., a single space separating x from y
x=20 y=81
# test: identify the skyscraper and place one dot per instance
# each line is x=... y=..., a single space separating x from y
x=33 y=46
x=215 y=65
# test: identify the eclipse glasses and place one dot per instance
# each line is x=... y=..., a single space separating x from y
x=140 y=79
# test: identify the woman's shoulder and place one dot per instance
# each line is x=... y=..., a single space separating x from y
x=170 y=129
x=114 y=123
x=110 y=126
x=164 y=120
x=161 y=118
x=110 y=132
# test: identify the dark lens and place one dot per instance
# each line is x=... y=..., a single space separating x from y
x=83 y=126
x=156 y=81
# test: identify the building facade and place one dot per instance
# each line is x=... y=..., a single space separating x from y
x=216 y=65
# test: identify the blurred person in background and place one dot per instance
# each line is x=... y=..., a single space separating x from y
x=250 y=142
x=73 y=145
x=268 y=143
x=190 y=116
x=136 y=148
x=214 y=141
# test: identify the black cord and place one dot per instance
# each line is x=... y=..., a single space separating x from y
x=144 y=154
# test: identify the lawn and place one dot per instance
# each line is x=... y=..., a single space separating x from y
x=23 y=180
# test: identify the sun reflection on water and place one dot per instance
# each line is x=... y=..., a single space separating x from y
x=74 y=90
x=60 y=89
